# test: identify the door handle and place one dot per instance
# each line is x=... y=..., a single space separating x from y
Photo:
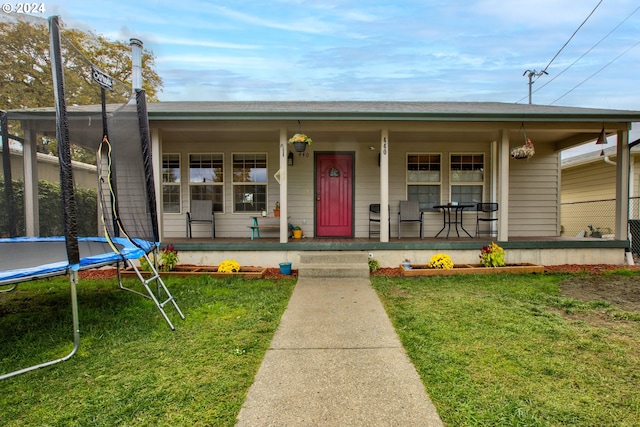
x=318 y=196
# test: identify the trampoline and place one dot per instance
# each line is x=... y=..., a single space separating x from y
x=117 y=131
x=19 y=255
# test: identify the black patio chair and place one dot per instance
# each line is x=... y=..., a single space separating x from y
x=486 y=213
x=374 y=217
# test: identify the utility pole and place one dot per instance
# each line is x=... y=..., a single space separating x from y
x=532 y=74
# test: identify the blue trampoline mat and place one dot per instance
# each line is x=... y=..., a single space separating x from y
x=27 y=258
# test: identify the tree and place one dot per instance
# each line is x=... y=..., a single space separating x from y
x=25 y=71
x=26 y=80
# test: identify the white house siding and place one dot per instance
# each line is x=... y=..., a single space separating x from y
x=228 y=223
x=301 y=181
x=533 y=194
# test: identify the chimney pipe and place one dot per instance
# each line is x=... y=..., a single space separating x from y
x=136 y=63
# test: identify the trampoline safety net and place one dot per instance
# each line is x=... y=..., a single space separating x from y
x=77 y=172
x=105 y=118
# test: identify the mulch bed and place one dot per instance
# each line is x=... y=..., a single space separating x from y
x=274 y=273
x=110 y=273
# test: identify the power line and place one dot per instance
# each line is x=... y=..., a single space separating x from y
x=602 y=68
x=587 y=52
x=537 y=75
x=572 y=35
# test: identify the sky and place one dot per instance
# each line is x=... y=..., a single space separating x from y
x=375 y=50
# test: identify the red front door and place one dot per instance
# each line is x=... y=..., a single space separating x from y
x=334 y=195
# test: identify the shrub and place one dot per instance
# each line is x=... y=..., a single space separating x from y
x=373 y=265
x=442 y=261
x=144 y=265
x=50 y=206
x=492 y=255
x=168 y=258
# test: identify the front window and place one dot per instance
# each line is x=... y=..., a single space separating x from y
x=467 y=178
x=206 y=178
x=250 y=182
x=424 y=179
x=171 y=183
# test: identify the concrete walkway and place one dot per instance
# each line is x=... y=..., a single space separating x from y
x=335 y=360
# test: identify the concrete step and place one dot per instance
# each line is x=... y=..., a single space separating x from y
x=337 y=264
x=334 y=257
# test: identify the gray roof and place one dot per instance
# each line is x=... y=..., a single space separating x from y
x=373 y=110
x=357 y=110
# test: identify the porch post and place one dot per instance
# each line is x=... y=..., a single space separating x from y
x=283 y=151
x=157 y=176
x=493 y=191
x=622 y=185
x=30 y=170
x=384 y=185
x=503 y=186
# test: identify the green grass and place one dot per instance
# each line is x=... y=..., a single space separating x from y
x=131 y=369
x=508 y=350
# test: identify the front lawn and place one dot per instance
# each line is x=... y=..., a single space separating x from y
x=131 y=369
x=510 y=350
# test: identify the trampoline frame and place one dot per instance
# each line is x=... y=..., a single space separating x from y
x=73 y=272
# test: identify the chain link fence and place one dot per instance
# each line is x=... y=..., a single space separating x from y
x=634 y=224
x=596 y=218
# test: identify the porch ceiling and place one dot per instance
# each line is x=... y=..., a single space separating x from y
x=560 y=135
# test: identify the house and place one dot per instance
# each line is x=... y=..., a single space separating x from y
x=49 y=169
x=388 y=151
x=237 y=155
x=588 y=193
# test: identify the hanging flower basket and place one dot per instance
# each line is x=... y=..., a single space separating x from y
x=525 y=151
x=300 y=142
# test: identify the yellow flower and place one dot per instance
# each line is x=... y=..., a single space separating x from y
x=229 y=266
x=300 y=137
x=442 y=261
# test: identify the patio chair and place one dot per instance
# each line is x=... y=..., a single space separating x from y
x=374 y=216
x=485 y=213
x=410 y=213
x=201 y=212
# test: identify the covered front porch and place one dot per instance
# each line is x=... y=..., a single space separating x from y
x=238 y=156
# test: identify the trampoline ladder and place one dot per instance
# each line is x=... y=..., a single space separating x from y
x=155 y=276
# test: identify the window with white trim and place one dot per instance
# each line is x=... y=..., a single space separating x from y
x=206 y=178
x=250 y=182
x=467 y=178
x=424 y=179
x=171 y=183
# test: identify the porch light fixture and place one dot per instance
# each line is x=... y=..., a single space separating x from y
x=602 y=138
x=290 y=159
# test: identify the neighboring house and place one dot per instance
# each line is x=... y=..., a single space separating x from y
x=588 y=193
x=85 y=175
x=237 y=155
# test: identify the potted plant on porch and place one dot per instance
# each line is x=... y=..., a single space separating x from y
x=300 y=142
x=297 y=232
x=276 y=209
